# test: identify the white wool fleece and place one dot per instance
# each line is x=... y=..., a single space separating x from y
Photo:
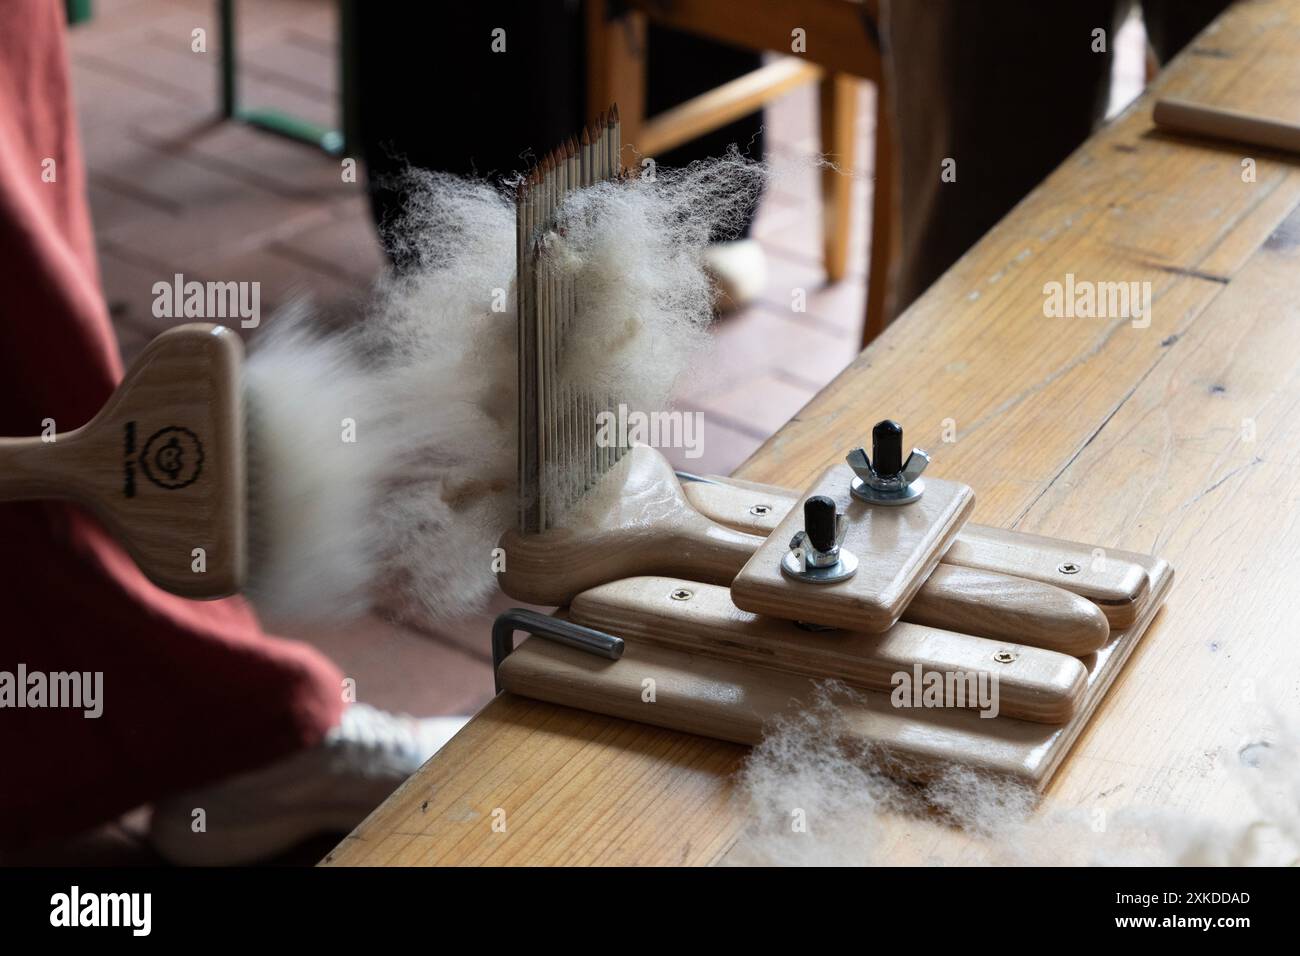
x=407 y=515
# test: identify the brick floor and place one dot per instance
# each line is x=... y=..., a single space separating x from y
x=174 y=190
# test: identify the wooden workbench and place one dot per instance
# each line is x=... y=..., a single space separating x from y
x=1182 y=438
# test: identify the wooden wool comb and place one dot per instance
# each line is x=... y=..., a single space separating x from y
x=559 y=458
x=641 y=522
x=733 y=598
x=652 y=604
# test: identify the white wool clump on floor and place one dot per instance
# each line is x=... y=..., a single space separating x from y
x=813 y=797
x=408 y=515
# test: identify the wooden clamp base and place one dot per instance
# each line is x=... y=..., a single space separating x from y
x=1026 y=682
x=734 y=701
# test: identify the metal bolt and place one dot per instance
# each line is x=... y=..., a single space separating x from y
x=1069 y=567
x=821 y=527
x=1005 y=657
x=682 y=594
x=760 y=510
x=887 y=477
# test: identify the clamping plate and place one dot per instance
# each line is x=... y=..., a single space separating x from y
x=896 y=549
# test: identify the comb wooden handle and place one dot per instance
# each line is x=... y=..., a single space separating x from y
x=1113 y=580
x=550 y=568
x=33 y=468
x=1006 y=608
x=641 y=523
x=161 y=465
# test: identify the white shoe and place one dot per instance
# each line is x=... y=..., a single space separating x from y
x=327 y=789
x=738 y=270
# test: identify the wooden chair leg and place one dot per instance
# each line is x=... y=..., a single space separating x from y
x=725 y=104
x=616 y=71
x=883 y=212
x=839 y=98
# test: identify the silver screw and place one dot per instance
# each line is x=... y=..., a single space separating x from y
x=1005 y=657
x=760 y=510
x=681 y=594
x=1069 y=567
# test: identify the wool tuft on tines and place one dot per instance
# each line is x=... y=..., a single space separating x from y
x=384 y=457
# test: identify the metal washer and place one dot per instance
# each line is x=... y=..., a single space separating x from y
x=792 y=565
x=909 y=493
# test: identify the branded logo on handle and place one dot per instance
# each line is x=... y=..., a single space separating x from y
x=172 y=457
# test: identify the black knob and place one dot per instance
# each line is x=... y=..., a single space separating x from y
x=819 y=522
x=887 y=448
